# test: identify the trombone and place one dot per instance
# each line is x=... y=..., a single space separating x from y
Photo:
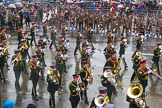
x=154 y=70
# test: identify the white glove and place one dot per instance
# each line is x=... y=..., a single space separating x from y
x=77 y=89
x=87 y=80
x=141 y=102
x=44 y=40
x=54 y=80
x=38 y=63
x=112 y=46
x=149 y=72
x=80 y=35
x=50 y=77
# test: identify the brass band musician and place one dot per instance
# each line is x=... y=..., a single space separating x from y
x=102 y=100
x=53 y=76
x=17 y=68
x=86 y=78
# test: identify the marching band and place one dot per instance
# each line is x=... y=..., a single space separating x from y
x=87 y=25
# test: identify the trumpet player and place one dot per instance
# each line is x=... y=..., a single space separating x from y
x=59 y=64
x=34 y=76
x=53 y=76
x=157 y=53
x=5 y=51
x=122 y=51
x=142 y=74
x=17 y=68
x=24 y=53
x=2 y=63
x=102 y=100
x=74 y=91
x=64 y=50
x=85 y=78
x=136 y=59
x=20 y=34
x=32 y=34
x=40 y=55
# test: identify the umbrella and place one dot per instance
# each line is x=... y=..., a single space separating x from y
x=2 y=5
x=120 y=6
x=12 y=6
x=19 y=4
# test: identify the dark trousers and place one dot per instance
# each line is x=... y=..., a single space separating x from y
x=81 y=26
x=157 y=65
x=34 y=92
x=17 y=77
x=24 y=66
x=45 y=35
x=85 y=91
x=74 y=101
x=2 y=73
x=53 y=42
x=76 y=48
x=133 y=75
x=52 y=99
x=33 y=39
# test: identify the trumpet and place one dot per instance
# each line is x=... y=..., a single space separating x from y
x=81 y=85
x=15 y=59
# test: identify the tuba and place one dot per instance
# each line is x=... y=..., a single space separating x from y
x=135 y=91
x=100 y=100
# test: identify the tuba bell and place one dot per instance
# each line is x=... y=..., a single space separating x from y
x=135 y=90
x=100 y=100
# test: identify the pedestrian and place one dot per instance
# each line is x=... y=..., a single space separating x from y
x=74 y=91
x=16 y=60
x=53 y=76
